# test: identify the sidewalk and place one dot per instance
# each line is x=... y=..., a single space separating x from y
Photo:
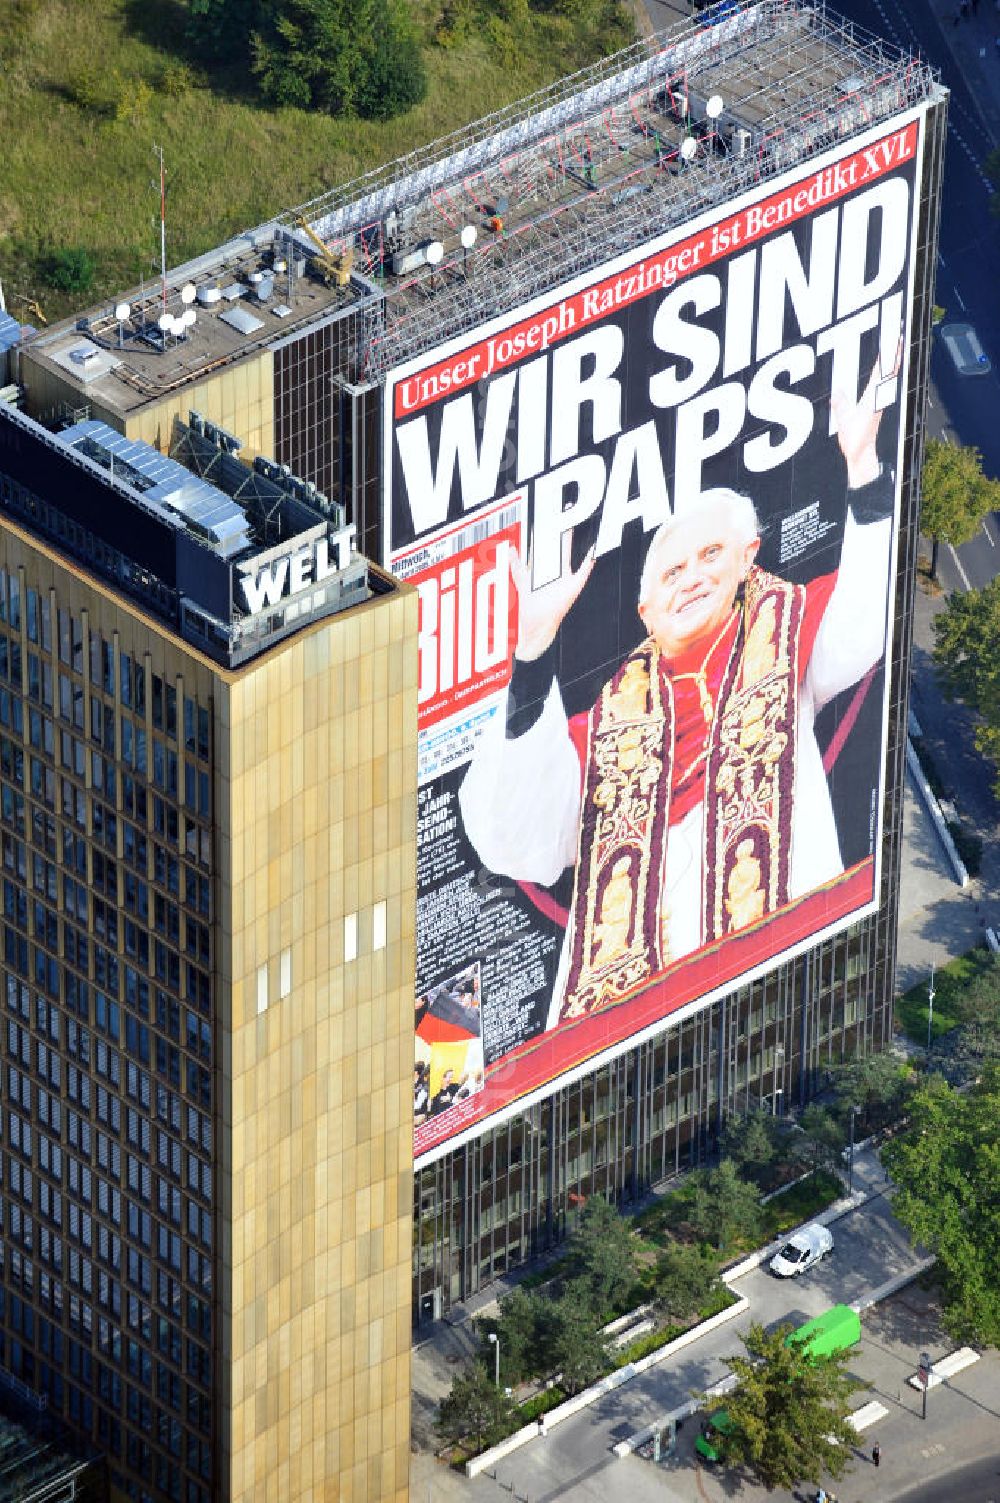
x=937 y=919
x=574 y=1459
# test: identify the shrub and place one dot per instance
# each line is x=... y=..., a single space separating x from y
x=70 y=270
x=88 y=88
x=176 y=79
x=133 y=97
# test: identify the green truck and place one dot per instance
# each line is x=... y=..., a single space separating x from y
x=834 y=1331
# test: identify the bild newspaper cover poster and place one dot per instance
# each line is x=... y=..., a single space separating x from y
x=651 y=520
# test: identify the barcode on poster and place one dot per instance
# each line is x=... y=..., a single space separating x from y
x=436 y=550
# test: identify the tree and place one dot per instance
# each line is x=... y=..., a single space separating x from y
x=602 y=1254
x=395 y=79
x=221 y=28
x=955 y=495
x=875 y=1083
x=821 y=1140
x=474 y=1406
x=975 y=1042
x=343 y=56
x=724 y=1204
x=965 y=637
x=575 y=1347
x=789 y=1411
x=749 y=1142
x=684 y=1280
x=519 y=1327
x=71 y=270
x=947 y=1168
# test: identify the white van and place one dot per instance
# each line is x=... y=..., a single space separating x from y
x=802 y=1250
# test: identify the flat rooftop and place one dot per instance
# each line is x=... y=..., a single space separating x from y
x=479 y=222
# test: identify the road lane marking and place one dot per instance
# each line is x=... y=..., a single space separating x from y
x=958 y=566
x=960 y=300
x=987 y=532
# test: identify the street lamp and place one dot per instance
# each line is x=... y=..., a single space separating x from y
x=930 y=1009
x=850 y=1157
x=494 y=1341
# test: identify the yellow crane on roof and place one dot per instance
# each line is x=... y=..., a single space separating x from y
x=32 y=306
x=335 y=266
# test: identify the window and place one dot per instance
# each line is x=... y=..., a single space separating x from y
x=379 y=925
x=285 y=978
x=350 y=937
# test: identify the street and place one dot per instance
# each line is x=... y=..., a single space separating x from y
x=978 y=1482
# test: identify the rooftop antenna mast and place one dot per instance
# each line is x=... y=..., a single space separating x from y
x=163 y=228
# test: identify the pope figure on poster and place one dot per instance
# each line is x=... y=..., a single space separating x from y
x=691 y=801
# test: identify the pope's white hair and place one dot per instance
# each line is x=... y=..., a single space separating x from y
x=742 y=516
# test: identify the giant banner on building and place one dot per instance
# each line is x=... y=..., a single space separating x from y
x=651 y=519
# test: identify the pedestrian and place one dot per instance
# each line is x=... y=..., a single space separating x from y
x=876 y=1453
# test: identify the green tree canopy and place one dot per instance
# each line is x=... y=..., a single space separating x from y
x=947 y=1169
x=965 y=654
x=749 y=1141
x=821 y=1141
x=975 y=1043
x=345 y=57
x=518 y=1326
x=575 y=1346
x=955 y=495
x=474 y=1406
x=724 y=1204
x=877 y=1084
x=684 y=1279
x=789 y=1411
x=602 y=1253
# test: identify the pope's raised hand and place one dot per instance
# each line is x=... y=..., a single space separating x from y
x=541 y=612
x=857 y=425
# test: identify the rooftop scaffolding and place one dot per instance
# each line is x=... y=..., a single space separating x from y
x=482 y=221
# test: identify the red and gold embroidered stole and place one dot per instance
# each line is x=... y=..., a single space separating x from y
x=617 y=937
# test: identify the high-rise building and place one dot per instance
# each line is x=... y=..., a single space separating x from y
x=657 y=863
x=207 y=832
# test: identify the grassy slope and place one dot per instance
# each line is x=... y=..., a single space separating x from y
x=949 y=983
x=73 y=176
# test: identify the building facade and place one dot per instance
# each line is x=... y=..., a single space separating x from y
x=208 y=938
x=285 y=1092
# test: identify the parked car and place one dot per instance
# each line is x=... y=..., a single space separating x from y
x=801 y=1251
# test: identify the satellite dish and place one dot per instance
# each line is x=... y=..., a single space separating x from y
x=434 y=253
x=188 y=292
x=188 y=317
x=469 y=236
x=165 y=322
x=122 y=311
x=714 y=107
x=689 y=148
